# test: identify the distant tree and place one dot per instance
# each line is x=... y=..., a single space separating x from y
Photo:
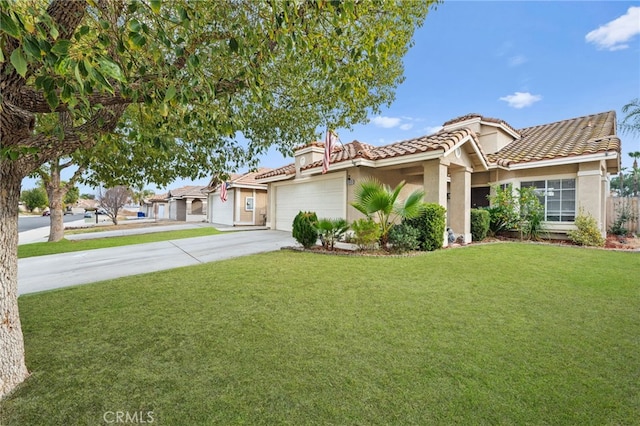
x=57 y=191
x=622 y=183
x=631 y=121
x=88 y=196
x=139 y=195
x=73 y=194
x=35 y=198
x=113 y=200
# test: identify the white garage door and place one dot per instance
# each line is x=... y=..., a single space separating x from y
x=222 y=212
x=324 y=196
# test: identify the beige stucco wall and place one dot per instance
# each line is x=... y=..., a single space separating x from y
x=259 y=212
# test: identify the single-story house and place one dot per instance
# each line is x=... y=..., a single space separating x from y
x=156 y=207
x=188 y=204
x=568 y=161
x=245 y=203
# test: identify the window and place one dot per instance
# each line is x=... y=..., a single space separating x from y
x=558 y=196
x=248 y=204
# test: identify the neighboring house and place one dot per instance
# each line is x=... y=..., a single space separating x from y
x=156 y=207
x=568 y=161
x=246 y=201
x=188 y=204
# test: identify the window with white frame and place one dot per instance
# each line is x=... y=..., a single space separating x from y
x=558 y=196
x=248 y=204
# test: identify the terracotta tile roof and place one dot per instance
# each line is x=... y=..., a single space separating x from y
x=482 y=118
x=590 y=134
x=158 y=197
x=289 y=169
x=577 y=136
x=443 y=140
x=249 y=177
x=187 y=191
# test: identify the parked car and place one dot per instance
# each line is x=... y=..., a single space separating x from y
x=101 y=211
x=46 y=213
x=68 y=211
x=88 y=215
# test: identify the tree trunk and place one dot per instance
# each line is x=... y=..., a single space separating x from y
x=13 y=369
x=56 y=194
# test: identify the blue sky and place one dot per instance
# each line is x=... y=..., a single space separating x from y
x=527 y=63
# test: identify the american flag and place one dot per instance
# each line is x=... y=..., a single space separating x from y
x=223 y=191
x=329 y=140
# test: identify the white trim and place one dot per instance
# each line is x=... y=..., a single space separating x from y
x=248 y=185
x=307 y=149
x=278 y=178
x=563 y=161
x=590 y=173
x=474 y=145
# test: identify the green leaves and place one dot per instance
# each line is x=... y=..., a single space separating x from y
x=19 y=62
x=8 y=26
x=155 y=6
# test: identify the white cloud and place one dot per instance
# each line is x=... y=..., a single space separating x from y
x=514 y=61
x=521 y=99
x=433 y=129
x=385 y=122
x=614 y=35
x=403 y=123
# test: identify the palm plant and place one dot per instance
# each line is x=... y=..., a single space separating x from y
x=635 y=155
x=331 y=231
x=375 y=199
x=631 y=121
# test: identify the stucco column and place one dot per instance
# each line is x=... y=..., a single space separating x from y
x=435 y=186
x=589 y=194
x=460 y=203
x=188 y=212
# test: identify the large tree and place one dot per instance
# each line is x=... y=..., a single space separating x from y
x=193 y=75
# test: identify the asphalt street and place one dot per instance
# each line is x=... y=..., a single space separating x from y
x=68 y=269
x=26 y=223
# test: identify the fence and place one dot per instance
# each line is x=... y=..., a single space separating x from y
x=619 y=205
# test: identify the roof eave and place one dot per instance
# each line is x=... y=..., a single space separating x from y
x=560 y=161
x=277 y=178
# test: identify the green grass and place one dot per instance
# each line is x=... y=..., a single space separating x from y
x=494 y=334
x=65 y=246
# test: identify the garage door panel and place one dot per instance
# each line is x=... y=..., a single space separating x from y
x=326 y=197
x=222 y=212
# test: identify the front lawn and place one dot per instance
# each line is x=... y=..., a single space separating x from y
x=65 y=246
x=487 y=334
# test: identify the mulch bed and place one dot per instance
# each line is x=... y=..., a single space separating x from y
x=613 y=242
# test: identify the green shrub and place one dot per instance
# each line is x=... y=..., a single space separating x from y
x=587 y=233
x=404 y=237
x=366 y=233
x=624 y=215
x=479 y=224
x=430 y=225
x=331 y=231
x=503 y=212
x=304 y=230
x=531 y=213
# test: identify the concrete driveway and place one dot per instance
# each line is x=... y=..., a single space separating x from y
x=69 y=269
